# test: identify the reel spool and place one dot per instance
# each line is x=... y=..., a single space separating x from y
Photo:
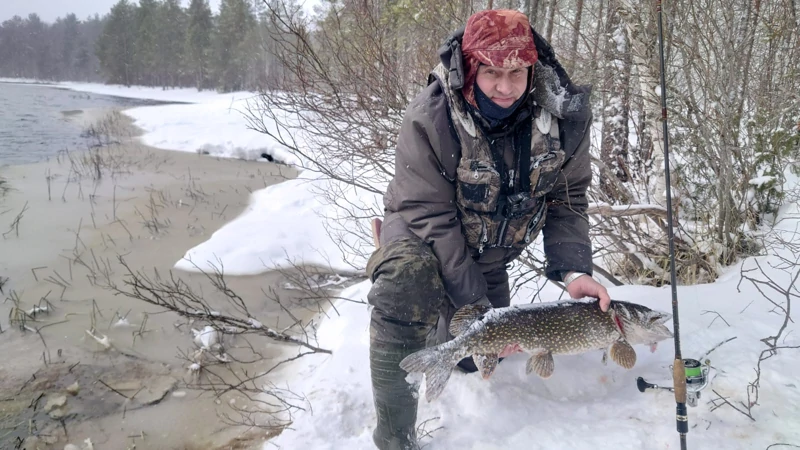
x=696 y=380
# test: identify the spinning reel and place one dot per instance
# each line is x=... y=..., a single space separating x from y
x=696 y=380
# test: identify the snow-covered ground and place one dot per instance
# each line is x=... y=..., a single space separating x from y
x=585 y=405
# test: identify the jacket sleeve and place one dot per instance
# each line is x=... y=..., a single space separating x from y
x=425 y=199
x=566 y=232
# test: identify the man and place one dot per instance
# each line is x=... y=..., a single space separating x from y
x=492 y=152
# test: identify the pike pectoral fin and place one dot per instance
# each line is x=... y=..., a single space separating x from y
x=623 y=354
x=486 y=364
x=541 y=363
x=464 y=317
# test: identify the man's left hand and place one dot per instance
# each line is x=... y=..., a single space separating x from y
x=586 y=286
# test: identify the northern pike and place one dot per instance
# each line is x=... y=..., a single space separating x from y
x=540 y=329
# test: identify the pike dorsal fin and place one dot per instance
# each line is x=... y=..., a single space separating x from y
x=464 y=317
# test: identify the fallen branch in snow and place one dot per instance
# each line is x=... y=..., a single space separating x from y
x=765 y=281
x=423 y=432
x=719 y=316
x=716 y=347
x=753 y=386
x=224 y=361
x=784 y=445
x=725 y=401
x=175 y=295
x=625 y=210
x=786 y=266
x=631 y=241
x=315 y=285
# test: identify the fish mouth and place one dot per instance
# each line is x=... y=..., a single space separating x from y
x=656 y=328
x=661 y=330
x=659 y=320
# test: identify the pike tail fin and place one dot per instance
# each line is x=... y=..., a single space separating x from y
x=437 y=365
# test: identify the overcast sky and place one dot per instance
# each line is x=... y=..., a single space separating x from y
x=50 y=10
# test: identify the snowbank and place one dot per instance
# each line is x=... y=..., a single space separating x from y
x=214 y=127
x=281 y=226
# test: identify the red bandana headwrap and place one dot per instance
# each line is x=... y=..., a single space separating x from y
x=496 y=37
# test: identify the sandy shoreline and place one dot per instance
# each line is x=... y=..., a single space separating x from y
x=79 y=215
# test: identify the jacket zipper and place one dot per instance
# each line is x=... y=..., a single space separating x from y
x=502 y=233
x=546 y=157
x=534 y=221
x=484 y=237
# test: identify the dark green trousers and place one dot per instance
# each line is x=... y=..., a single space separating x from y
x=410 y=311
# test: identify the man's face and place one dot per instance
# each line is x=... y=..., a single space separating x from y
x=503 y=86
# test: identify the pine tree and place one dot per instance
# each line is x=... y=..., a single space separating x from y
x=236 y=20
x=198 y=43
x=146 y=58
x=172 y=23
x=115 y=46
x=69 y=46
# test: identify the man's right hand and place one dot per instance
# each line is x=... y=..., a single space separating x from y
x=510 y=350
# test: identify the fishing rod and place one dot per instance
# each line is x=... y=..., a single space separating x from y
x=679 y=374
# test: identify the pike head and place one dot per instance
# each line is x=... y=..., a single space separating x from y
x=640 y=324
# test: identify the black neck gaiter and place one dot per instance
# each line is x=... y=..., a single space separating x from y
x=490 y=110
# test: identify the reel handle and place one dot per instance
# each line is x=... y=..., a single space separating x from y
x=644 y=385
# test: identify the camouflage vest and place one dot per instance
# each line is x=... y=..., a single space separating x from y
x=489 y=218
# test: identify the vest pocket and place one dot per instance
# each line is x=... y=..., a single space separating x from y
x=478 y=185
x=521 y=231
x=476 y=230
x=544 y=172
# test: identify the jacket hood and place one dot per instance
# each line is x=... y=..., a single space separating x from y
x=552 y=89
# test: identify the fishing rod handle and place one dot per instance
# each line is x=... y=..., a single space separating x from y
x=679 y=380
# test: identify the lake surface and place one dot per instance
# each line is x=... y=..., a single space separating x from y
x=35 y=120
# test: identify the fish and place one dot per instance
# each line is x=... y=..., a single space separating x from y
x=568 y=327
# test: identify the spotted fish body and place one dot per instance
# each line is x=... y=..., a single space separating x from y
x=542 y=330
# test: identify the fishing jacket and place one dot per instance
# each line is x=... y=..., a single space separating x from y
x=480 y=195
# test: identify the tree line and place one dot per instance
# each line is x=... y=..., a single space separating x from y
x=149 y=43
x=64 y=50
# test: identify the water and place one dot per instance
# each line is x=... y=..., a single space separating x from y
x=35 y=120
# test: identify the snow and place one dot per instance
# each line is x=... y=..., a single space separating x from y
x=762 y=180
x=285 y=218
x=584 y=405
x=225 y=133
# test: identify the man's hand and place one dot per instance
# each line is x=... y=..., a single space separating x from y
x=586 y=286
x=510 y=350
